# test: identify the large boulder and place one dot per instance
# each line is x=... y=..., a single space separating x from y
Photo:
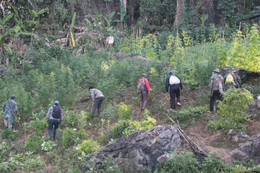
x=244 y=75
x=140 y=150
x=248 y=151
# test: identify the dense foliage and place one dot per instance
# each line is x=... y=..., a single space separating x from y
x=45 y=72
x=232 y=109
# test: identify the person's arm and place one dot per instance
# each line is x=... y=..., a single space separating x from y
x=138 y=81
x=211 y=86
x=92 y=93
x=4 y=107
x=15 y=108
x=147 y=85
x=181 y=86
x=167 y=84
x=61 y=118
x=49 y=113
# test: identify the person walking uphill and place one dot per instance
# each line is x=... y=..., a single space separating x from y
x=9 y=108
x=54 y=118
x=97 y=97
x=174 y=86
x=216 y=88
x=143 y=88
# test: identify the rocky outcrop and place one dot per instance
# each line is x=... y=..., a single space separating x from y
x=248 y=151
x=244 y=75
x=237 y=136
x=140 y=150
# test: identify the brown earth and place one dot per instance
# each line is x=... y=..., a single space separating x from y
x=217 y=141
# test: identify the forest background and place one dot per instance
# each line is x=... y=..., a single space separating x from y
x=54 y=50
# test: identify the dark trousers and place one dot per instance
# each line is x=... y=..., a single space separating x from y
x=216 y=95
x=175 y=92
x=97 y=105
x=55 y=124
x=143 y=99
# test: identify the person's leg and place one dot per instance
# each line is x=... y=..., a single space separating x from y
x=99 y=104
x=178 y=95
x=56 y=126
x=172 y=95
x=94 y=107
x=10 y=122
x=51 y=122
x=6 y=121
x=145 y=99
x=212 y=100
x=218 y=97
x=141 y=100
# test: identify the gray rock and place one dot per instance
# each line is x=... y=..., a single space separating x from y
x=140 y=150
x=165 y=157
x=237 y=136
x=248 y=151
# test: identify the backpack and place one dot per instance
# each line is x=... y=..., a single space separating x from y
x=56 y=112
x=174 y=80
x=140 y=86
x=229 y=79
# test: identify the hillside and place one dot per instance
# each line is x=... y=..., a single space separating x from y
x=56 y=50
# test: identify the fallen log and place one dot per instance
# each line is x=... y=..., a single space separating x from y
x=195 y=148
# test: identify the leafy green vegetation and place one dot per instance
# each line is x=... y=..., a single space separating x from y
x=232 y=110
x=188 y=162
x=44 y=72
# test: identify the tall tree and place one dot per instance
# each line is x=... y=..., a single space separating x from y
x=178 y=16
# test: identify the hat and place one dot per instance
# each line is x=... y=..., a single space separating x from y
x=144 y=75
x=170 y=73
x=13 y=96
x=56 y=102
x=216 y=70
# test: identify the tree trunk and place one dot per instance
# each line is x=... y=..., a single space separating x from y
x=178 y=17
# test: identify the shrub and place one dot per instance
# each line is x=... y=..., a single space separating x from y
x=5 y=150
x=70 y=136
x=48 y=145
x=33 y=143
x=73 y=119
x=232 y=109
x=126 y=127
x=88 y=146
x=124 y=111
x=187 y=162
x=7 y=134
x=189 y=114
x=108 y=166
x=180 y=163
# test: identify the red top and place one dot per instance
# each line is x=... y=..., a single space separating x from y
x=146 y=83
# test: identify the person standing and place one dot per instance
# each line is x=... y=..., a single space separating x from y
x=174 y=86
x=97 y=97
x=54 y=118
x=9 y=108
x=216 y=88
x=143 y=88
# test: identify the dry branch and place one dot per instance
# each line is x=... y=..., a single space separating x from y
x=195 y=148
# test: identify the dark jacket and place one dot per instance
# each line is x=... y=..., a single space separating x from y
x=167 y=84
